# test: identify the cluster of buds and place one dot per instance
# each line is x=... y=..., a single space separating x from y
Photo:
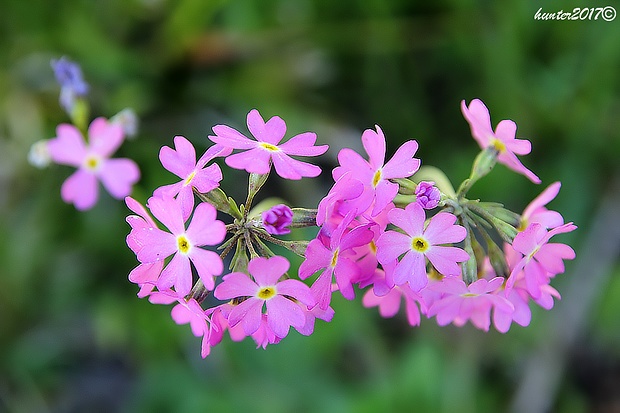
x=396 y=230
x=469 y=261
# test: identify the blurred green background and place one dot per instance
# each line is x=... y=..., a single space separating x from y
x=73 y=336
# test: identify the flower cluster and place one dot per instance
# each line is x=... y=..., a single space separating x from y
x=394 y=229
x=382 y=229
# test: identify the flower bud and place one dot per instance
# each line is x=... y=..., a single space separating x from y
x=277 y=219
x=427 y=194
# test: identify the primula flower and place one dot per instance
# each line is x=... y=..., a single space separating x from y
x=266 y=291
x=375 y=174
x=541 y=259
x=93 y=162
x=277 y=219
x=503 y=139
x=335 y=259
x=340 y=198
x=418 y=243
x=187 y=312
x=181 y=161
x=157 y=245
x=536 y=211
x=69 y=76
x=388 y=299
x=461 y=302
x=427 y=194
x=266 y=149
x=145 y=274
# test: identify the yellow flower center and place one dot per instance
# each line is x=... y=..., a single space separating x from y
x=266 y=293
x=334 y=258
x=189 y=178
x=419 y=244
x=376 y=178
x=373 y=247
x=91 y=163
x=183 y=244
x=498 y=145
x=269 y=147
x=469 y=295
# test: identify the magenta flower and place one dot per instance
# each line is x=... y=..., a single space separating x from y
x=418 y=243
x=427 y=194
x=277 y=219
x=93 y=162
x=461 y=302
x=541 y=259
x=335 y=259
x=266 y=291
x=503 y=139
x=181 y=161
x=266 y=149
x=184 y=245
x=536 y=211
x=375 y=174
x=340 y=200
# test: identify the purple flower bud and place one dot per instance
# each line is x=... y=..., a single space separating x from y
x=69 y=76
x=427 y=194
x=277 y=219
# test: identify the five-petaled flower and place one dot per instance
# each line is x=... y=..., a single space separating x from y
x=93 y=162
x=157 y=245
x=282 y=299
x=503 y=140
x=417 y=243
x=259 y=154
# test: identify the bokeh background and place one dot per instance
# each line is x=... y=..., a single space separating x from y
x=73 y=335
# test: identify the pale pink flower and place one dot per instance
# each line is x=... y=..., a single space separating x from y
x=418 y=243
x=184 y=244
x=503 y=139
x=461 y=302
x=266 y=291
x=375 y=174
x=388 y=299
x=335 y=259
x=266 y=148
x=537 y=212
x=187 y=312
x=541 y=259
x=93 y=162
x=181 y=161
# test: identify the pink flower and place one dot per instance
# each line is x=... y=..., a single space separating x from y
x=266 y=149
x=183 y=244
x=390 y=299
x=266 y=291
x=536 y=211
x=277 y=219
x=461 y=302
x=187 y=312
x=418 y=243
x=335 y=259
x=340 y=199
x=541 y=259
x=181 y=161
x=93 y=162
x=374 y=174
x=503 y=139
